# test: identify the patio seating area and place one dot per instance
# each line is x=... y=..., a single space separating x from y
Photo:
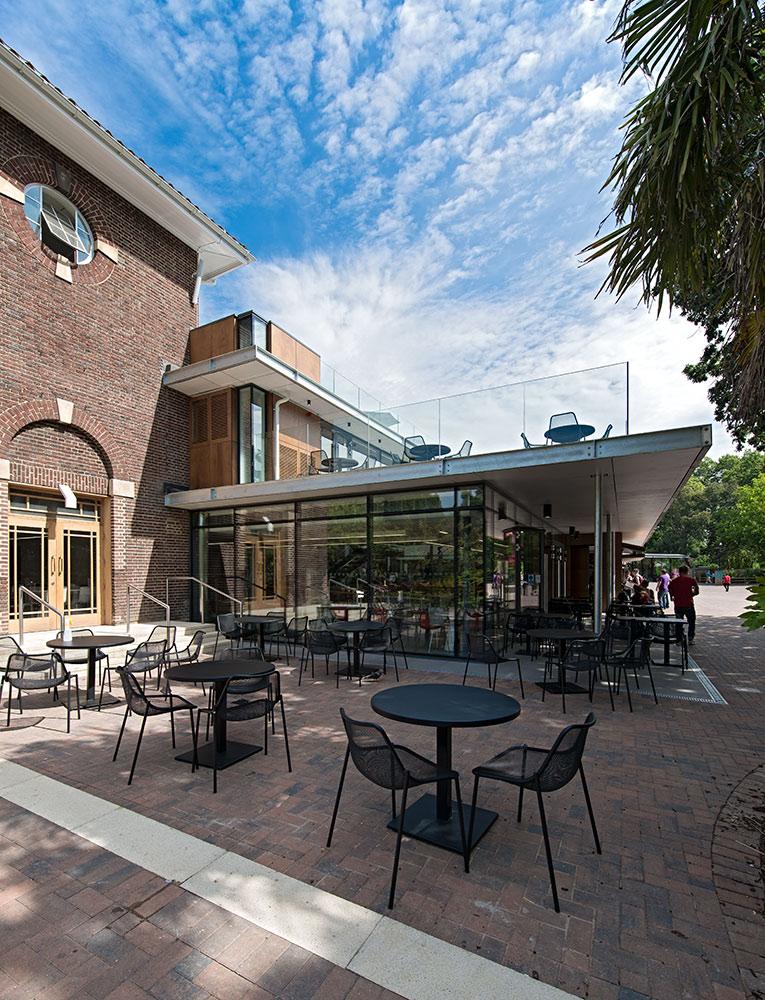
x=648 y=917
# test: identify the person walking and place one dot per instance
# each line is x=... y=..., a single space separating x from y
x=662 y=589
x=682 y=590
x=726 y=582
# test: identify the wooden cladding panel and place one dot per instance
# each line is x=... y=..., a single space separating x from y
x=212 y=456
x=285 y=347
x=213 y=339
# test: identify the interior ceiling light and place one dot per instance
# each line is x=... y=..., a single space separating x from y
x=547 y=510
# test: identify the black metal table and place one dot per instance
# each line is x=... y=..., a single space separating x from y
x=562 y=636
x=260 y=622
x=357 y=629
x=91 y=643
x=569 y=433
x=666 y=620
x=426 y=452
x=338 y=464
x=218 y=672
x=433 y=818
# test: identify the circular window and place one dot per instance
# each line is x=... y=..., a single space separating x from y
x=58 y=224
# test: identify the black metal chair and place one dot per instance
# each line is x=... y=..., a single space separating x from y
x=396 y=625
x=145 y=705
x=396 y=768
x=677 y=637
x=39 y=673
x=416 y=441
x=227 y=627
x=145 y=658
x=244 y=709
x=322 y=642
x=79 y=658
x=318 y=462
x=582 y=656
x=275 y=631
x=379 y=641
x=636 y=657
x=168 y=632
x=482 y=650
x=541 y=770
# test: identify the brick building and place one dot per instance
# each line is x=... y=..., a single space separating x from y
x=97 y=298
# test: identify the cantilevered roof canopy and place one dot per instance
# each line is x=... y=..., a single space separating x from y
x=34 y=100
x=641 y=475
x=254 y=365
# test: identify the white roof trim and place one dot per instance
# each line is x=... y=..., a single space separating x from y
x=33 y=100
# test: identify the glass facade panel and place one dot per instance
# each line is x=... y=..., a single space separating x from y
x=420 y=500
x=252 y=435
x=332 y=567
x=333 y=507
x=413 y=576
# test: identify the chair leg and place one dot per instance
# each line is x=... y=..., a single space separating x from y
x=520 y=676
x=562 y=682
x=286 y=738
x=194 y=759
x=625 y=673
x=472 y=821
x=589 y=809
x=608 y=682
x=122 y=730
x=172 y=728
x=10 y=700
x=393 y=802
x=137 y=748
x=464 y=676
x=69 y=705
x=104 y=673
x=465 y=852
x=548 y=852
x=397 y=855
x=339 y=793
x=650 y=678
x=520 y=803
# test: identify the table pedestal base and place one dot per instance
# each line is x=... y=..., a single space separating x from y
x=233 y=753
x=106 y=702
x=420 y=822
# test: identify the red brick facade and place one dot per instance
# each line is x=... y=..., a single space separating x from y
x=100 y=343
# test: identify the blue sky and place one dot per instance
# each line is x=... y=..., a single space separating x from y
x=416 y=179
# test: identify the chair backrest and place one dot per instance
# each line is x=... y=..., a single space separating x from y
x=163 y=632
x=482 y=648
x=26 y=664
x=8 y=647
x=377 y=638
x=297 y=626
x=586 y=652
x=226 y=623
x=465 y=449
x=317 y=625
x=149 y=654
x=322 y=641
x=316 y=459
x=195 y=646
x=607 y=431
x=412 y=442
x=562 y=419
x=565 y=756
x=372 y=753
x=134 y=697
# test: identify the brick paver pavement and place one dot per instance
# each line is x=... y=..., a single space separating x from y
x=644 y=919
x=79 y=922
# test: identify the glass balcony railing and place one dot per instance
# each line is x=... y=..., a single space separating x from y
x=558 y=409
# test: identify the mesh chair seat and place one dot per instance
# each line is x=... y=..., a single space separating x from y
x=37 y=683
x=517 y=765
x=248 y=686
x=243 y=710
x=421 y=770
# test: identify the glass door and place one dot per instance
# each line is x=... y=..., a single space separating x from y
x=32 y=564
x=77 y=572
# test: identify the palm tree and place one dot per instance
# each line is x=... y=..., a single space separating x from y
x=689 y=181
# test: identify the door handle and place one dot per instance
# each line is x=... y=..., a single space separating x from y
x=52 y=565
x=60 y=565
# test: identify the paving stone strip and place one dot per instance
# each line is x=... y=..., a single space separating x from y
x=395 y=957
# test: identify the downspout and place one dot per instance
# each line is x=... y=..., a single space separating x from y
x=275 y=444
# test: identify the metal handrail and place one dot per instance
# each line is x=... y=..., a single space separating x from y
x=206 y=586
x=40 y=600
x=150 y=597
x=258 y=586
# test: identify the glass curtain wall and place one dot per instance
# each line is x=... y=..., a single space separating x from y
x=252 y=435
x=440 y=562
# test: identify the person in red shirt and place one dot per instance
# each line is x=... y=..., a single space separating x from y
x=726 y=582
x=682 y=590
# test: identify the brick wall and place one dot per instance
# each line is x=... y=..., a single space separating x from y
x=101 y=343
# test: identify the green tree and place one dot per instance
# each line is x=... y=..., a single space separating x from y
x=742 y=526
x=689 y=185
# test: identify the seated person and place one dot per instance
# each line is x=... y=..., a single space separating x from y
x=642 y=595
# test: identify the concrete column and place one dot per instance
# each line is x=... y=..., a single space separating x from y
x=609 y=553
x=597 y=597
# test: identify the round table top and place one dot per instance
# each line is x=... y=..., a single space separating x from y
x=428 y=451
x=220 y=670
x=360 y=625
x=569 y=433
x=338 y=463
x=560 y=633
x=90 y=641
x=445 y=705
x=656 y=620
x=260 y=619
